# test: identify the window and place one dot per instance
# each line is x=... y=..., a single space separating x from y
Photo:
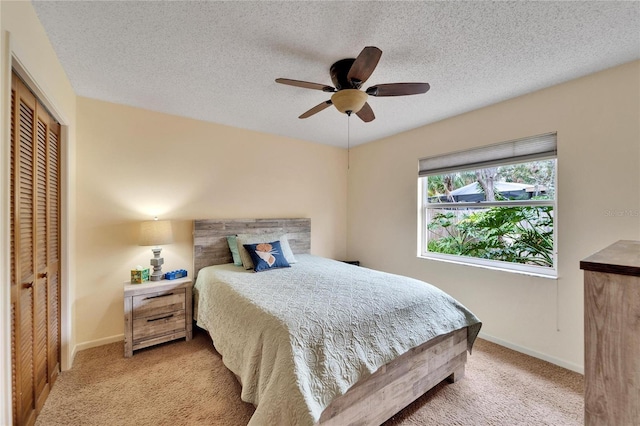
x=492 y=206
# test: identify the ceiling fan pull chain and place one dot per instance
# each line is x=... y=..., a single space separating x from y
x=348 y=140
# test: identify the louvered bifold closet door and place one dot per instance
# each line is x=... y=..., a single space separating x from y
x=13 y=282
x=41 y=288
x=35 y=268
x=53 y=250
x=22 y=288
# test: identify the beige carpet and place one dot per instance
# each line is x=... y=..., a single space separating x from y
x=185 y=383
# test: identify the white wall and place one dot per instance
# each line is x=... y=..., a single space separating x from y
x=597 y=119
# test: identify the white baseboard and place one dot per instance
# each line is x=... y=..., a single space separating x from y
x=95 y=343
x=562 y=363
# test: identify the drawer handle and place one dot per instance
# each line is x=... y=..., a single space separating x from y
x=160 y=295
x=161 y=318
x=27 y=285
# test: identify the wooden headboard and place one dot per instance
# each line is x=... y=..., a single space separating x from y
x=210 y=245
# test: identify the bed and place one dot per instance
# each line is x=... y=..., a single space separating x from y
x=324 y=342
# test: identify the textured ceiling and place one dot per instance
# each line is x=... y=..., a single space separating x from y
x=217 y=61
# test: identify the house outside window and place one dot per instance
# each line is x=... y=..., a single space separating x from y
x=493 y=206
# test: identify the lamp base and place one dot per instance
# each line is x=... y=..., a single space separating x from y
x=156 y=262
x=156 y=276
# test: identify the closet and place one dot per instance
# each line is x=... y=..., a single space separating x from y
x=35 y=252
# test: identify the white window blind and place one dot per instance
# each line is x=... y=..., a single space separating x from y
x=526 y=149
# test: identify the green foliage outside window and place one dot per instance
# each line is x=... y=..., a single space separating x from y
x=514 y=234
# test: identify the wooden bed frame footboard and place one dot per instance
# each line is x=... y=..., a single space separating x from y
x=397 y=384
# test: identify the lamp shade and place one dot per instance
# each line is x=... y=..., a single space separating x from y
x=155 y=233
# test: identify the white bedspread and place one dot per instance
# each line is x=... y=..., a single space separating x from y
x=299 y=337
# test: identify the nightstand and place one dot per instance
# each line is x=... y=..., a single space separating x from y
x=156 y=312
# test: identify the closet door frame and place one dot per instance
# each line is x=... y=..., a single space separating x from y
x=13 y=57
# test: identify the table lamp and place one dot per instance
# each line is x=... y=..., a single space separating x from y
x=155 y=233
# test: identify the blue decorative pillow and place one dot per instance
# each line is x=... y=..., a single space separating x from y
x=233 y=246
x=266 y=256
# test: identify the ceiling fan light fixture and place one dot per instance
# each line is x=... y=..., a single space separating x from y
x=349 y=100
x=347 y=76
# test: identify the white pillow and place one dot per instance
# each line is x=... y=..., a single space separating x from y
x=286 y=249
x=263 y=238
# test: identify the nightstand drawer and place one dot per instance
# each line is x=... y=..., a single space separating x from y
x=158 y=303
x=156 y=325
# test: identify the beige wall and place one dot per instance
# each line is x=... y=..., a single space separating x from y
x=134 y=164
x=598 y=123
x=25 y=46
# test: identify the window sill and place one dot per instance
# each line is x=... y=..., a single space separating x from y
x=553 y=275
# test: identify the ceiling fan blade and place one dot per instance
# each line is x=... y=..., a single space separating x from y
x=316 y=109
x=398 y=89
x=364 y=65
x=366 y=113
x=305 y=84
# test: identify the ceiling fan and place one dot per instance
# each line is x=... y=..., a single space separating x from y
x=347 y=76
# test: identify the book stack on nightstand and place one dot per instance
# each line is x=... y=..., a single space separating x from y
x=156 y=312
